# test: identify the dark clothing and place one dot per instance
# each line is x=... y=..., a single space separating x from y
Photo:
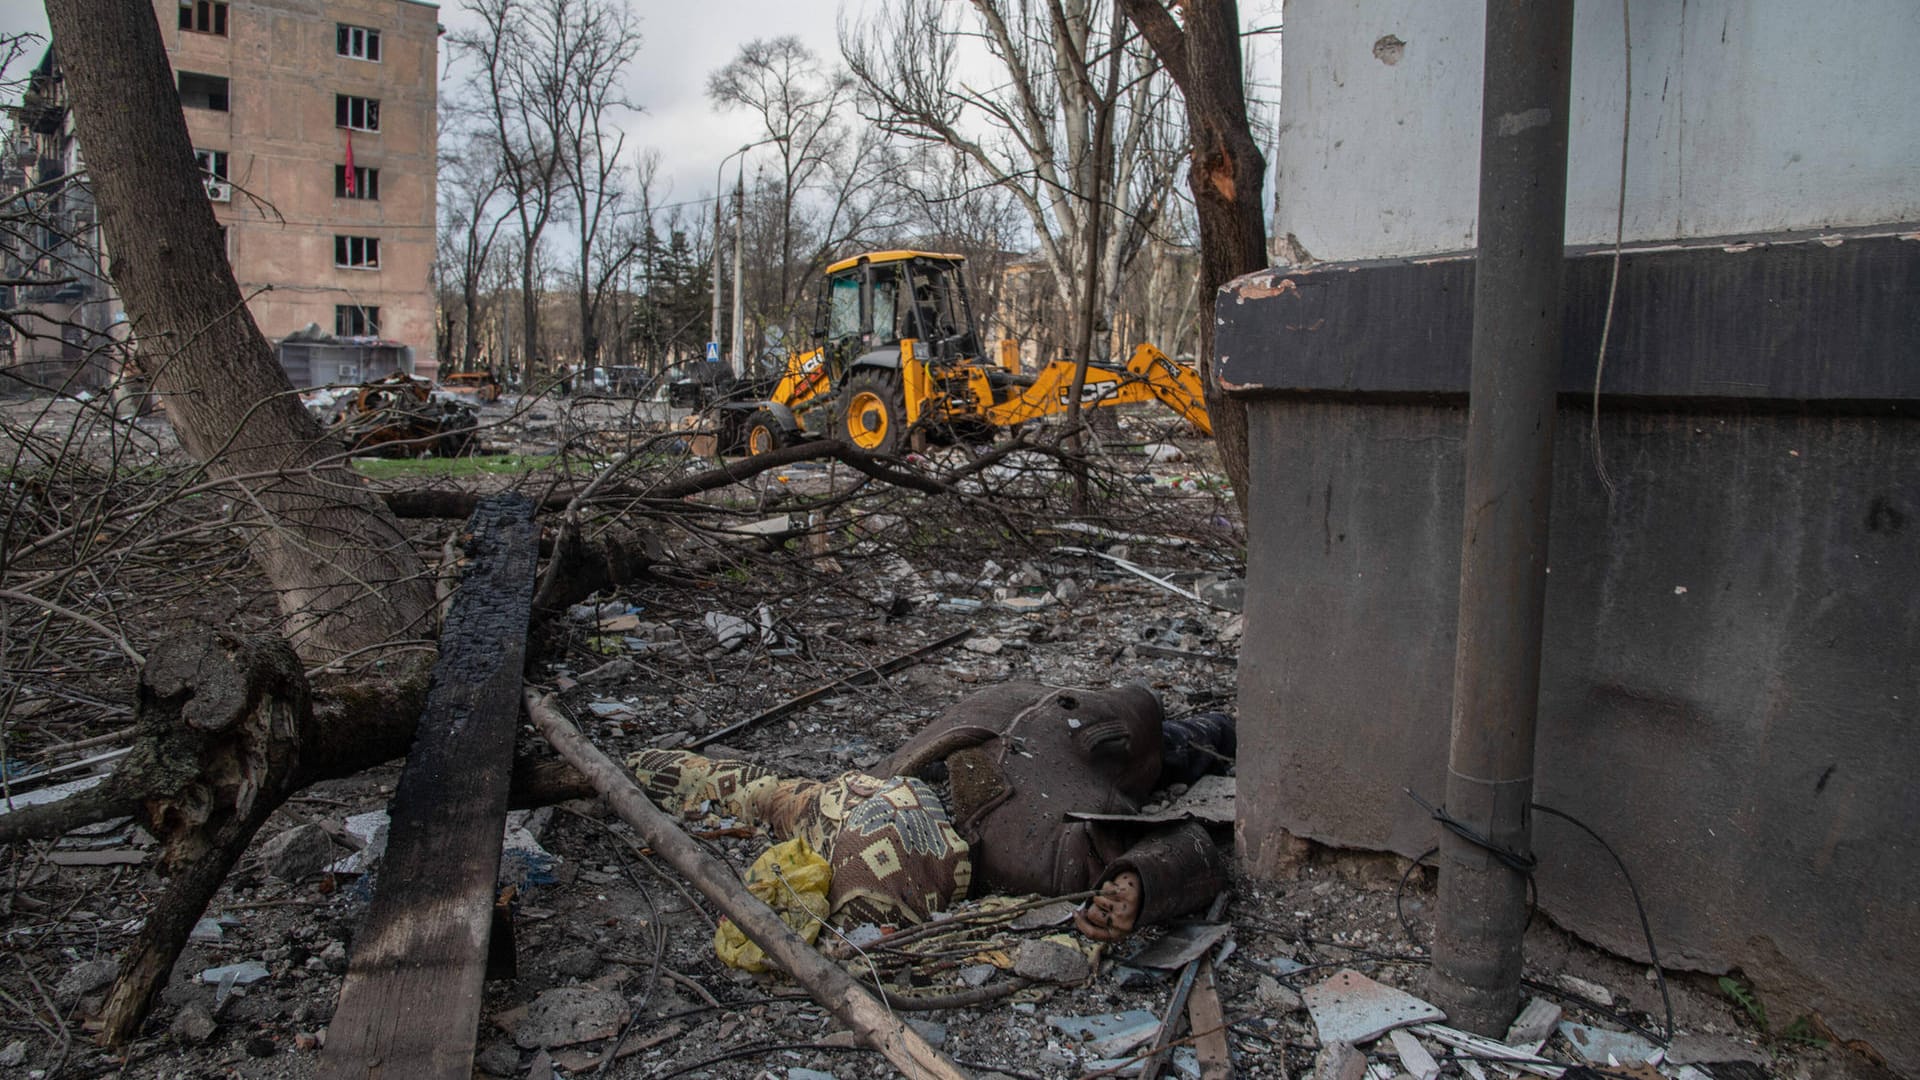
x=1021 y=757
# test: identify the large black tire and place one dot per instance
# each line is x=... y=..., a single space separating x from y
x=765 y=433
x=873 y=412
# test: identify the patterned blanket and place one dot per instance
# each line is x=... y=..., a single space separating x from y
x=895 y=856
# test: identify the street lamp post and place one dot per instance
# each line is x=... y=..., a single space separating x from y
x=719 y=205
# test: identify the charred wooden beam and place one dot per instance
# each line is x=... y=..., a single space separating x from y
x=412 y=996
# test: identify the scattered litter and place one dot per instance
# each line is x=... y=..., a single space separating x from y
x=984 y=645
x=1181 y=945
x=1163 y=453
x=1132 y=569
x=1183 y=1061
x=1413 y=1057
x=242 y=974
x=1109 y=1035
x=1535 y=1022
x=1489 y=1050
x=1210 y=799
x=1349 y=1007
x=731 y=631
x=523 y=862
x=1599 y=1046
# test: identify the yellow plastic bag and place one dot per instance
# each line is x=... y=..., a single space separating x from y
x=792 y=878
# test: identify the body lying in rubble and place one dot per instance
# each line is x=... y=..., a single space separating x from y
x=978 y=803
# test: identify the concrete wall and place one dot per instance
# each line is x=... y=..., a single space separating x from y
x=280 y=57
x=1729 y=686
x=1748 y=116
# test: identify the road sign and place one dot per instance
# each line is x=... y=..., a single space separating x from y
x=713 y=352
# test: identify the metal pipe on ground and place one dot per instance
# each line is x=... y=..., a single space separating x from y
x=1509 y=458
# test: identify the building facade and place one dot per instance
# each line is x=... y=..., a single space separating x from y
x=60 y=306
x=1727 y=680
x=315 y=127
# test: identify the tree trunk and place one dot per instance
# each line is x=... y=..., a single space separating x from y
x=1227 y=175
x=345 y=574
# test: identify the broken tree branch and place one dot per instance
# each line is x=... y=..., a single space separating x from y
x=858 y=678
x=832 y=987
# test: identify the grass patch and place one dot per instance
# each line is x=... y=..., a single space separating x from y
x=493 y=465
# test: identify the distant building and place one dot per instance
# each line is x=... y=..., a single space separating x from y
x=315 y=125
x=315 y=128
x=71 y=307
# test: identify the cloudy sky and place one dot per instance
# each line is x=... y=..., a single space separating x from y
x=684 y=43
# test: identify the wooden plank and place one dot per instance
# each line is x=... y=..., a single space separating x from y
x=411 y=1001
x=1208 y=1023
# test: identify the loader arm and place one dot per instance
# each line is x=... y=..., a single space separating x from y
x=1150 y=374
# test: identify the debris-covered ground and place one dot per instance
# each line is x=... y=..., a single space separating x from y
x=747 y=608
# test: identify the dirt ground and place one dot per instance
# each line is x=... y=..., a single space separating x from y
x=607 y=938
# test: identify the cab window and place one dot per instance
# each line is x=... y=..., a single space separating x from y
x=843 y=314
x=886 y=305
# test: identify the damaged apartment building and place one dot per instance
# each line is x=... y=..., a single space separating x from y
x=314 y=129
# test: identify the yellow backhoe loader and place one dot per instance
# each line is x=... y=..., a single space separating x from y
x=899 y=366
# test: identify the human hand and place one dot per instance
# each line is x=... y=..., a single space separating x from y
x=1110 y=915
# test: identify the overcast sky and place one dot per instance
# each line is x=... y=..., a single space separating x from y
x=686 y=42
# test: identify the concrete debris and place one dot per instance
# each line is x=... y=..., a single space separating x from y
x=15 y=1054
x=85 y=978
x=1414 y=1057
x=984 y=645
x=194 y=1023
x=498 y=1058
x=569 y=1015
x=1535 y=1022
x=731 y=631
x=978 y=975
x=1067 y=590
x=1108 y=1035
x=206 y=930
x=1592 y=991
x=1052 y=960
x=935 y=1034
x=523 y=862
x=1349 y=1007
x=1275 y=998
x=1600 y=1046
x=1339 y=1061
x=370 y=830
x=297 y=853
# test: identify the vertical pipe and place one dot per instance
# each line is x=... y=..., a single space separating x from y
x=739 y=358
x=1503 y=548
x=719 y=210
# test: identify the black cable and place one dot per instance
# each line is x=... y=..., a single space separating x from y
x=1646 y=928
x=1525 y=863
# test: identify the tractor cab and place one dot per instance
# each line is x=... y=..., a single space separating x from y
x=873 y=303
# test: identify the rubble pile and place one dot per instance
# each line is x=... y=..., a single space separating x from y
x=815 y=645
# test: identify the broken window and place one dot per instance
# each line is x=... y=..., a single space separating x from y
x=366 y=183
x=358 y=113
x=357 y=42
x=213 y=172
x=357 y=252
x=204 y=17
x=199 y=91
x=356 y=320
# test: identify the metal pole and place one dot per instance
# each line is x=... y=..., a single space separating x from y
x=739 y=360
x=1503 y=548
x=719 y=204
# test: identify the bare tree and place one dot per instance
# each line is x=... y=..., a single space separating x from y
x=522 y=76
x=470 y=219
x=1226 y=173
x=782 y=82
x=345 y=575
x=1033 y=122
